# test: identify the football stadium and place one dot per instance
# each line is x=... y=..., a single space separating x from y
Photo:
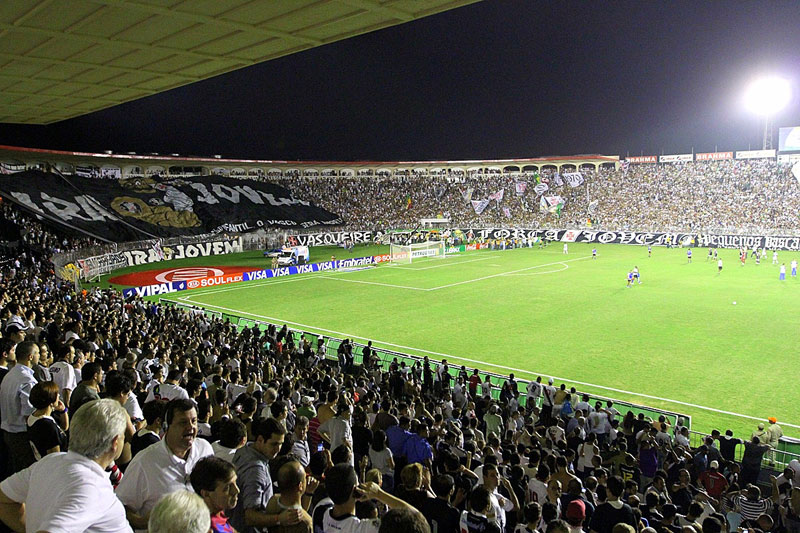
x=592 y=342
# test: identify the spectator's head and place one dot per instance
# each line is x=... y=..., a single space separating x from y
x=615 y=486
x=269 y=435
x=557 y=526
x=214 y=480
x=181 y=417
x=44 y=394
x=404 y=521
x=27 y=353
x=98 y=431
x=291 y=477
x=576 y=513
x=533 y=513
x=480 y=499
x=711 y=525
x=341 y=481
x=7 y=352
x=92 y=372
x=411 y=476
x=118 y=386
x=232 y=433
x=154 y=412
x=443 y=486
x=181 y=511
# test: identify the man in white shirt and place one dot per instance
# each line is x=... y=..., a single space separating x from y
x=534 y=392
x=163 y=467
x=71 y=491
x=343 y=489
x=500 y=504
x=63 y=373
x=169 y=390
x=15 y=405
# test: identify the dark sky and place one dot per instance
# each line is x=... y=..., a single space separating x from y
x=495 y=79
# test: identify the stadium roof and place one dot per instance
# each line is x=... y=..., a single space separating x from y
x=60 y=60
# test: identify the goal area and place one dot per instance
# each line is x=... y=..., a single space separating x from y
x=400 y=254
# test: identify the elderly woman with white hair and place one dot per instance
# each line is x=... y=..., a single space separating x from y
x=71 y=491
x=181 y=511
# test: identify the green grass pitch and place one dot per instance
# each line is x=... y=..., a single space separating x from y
x=676 y=337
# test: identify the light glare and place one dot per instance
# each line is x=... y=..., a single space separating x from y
x=767 y=96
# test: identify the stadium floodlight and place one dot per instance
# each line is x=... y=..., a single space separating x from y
x=765 y=97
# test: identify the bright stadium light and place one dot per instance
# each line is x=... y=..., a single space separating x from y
x=765 y=97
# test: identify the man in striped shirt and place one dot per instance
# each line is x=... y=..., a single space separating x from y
x=751 y=505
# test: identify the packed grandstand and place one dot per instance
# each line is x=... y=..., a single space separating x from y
x=274 y=431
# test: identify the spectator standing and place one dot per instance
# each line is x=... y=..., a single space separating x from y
x=15 y=405
x=255 y=480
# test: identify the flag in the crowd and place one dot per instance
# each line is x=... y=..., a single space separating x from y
x=573 y=178
x=521 y=187
x=467 y=194
x=551 y=204
x=796 y=171
x=158 y=251
x=497 y=195
x=537 y=178
x=557 y=179
x=593 y=206
x=588 y=222
x=624 y=164
x=507 y=212
x=408 y=202
x=479 y=205
x=540 y=189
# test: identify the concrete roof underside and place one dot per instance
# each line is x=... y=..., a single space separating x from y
x=60 y=59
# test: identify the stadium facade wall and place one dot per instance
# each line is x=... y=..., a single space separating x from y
x=716 y=240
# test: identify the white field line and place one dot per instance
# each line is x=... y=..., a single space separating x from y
x=451 y=263
x=337 y=278
x=541 y=273
x=507 y=273
x=344 y=335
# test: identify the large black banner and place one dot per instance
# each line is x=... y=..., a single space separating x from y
x=142 y=208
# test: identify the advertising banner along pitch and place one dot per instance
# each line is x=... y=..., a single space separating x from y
x=142 y=208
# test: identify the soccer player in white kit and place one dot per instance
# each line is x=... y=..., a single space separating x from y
x=566 y=248
x=775 y=257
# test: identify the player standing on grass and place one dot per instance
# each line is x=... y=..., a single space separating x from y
x=630 y=279
x=719 y=266
x=689 y=255
x=566 y=248
x=636 y=275
x=794 y=268
x=758 y=259
x=710 y=254
x=594 y=253
x=775 y=257
x=782 y=275
x=743 y=256
x=649 y=251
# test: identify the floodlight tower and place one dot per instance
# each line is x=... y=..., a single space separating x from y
x=765 y=97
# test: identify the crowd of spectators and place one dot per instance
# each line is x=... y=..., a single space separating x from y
x=123 y=414
x=725 y=196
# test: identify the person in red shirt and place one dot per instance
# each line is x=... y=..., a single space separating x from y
x=713 y=481
x=474 y=381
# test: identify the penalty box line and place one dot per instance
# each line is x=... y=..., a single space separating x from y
x=344 y=335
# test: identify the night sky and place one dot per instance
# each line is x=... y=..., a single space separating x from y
x=496 y=79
